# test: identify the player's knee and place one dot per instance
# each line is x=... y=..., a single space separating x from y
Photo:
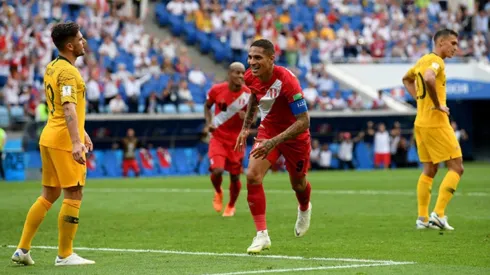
x=458 y=169
x=218 y=171
x=253 y=177
x=298 y=185
x=73 y=193
x=51 y=194
x=234 y=178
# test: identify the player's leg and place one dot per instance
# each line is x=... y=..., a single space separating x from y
x=297 y=159
x=134 y=166
x=235 y=187
x=233 y=165
x=72 y=176
x=217 y=158
x=445 y=147
x=125 y=167
x=426 y=178
x=38 y=210
x=257 y=168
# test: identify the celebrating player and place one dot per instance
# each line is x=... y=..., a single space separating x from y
x=63 y=144
x=436 y=141
x=230 y=99
x=284 y=129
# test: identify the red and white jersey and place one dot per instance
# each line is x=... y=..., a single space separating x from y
x=227 y=105
x=274 y=97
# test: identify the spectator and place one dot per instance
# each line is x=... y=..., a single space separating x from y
x=196 y=76
x=151 y=103
x=346 y=151
x=382 y=153
x=132 y=87
x=185 y=95
x=170 y=95
x=400 y=156
x=338 y=103
x=311 y=96
x=325 y=158
x=93 y=95
x=315 y=154
x=379 y=102
x=117 y=105
x=355 y=101
x=460 y=134
x=324 y=101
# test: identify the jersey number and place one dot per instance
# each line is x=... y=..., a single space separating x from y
x=50 y=95
x=300 y=165
x=421 y=86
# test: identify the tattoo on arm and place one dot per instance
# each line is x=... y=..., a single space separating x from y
x=251 y=111
x=299 y=126
x=68 y=119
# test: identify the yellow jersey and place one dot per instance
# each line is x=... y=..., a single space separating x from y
x=62 y=83
x=426 y=115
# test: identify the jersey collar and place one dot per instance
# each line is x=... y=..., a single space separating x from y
x=60 y=57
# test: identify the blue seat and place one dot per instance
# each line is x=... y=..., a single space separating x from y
x=169 y=109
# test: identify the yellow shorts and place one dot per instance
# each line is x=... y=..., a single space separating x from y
x=437 y=144
x=59 y=169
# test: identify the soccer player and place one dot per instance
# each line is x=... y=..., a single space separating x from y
x=129 y=145
x=230 y=99
x=436 y=141
x=283 y=130
x=63 y=144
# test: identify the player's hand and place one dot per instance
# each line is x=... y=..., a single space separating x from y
x=263 y=148
x=443 y=109
x=78 y=152
x=241 y=141
x=88 y=143
x=210 y=128
x=241 y=114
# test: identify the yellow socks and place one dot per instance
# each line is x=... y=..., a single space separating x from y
x=446 y=191
x=424 y=188
x=67 y=226
x=35 y=217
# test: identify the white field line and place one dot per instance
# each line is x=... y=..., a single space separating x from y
x=306 y=269
x=216 y=254
x=271 y=191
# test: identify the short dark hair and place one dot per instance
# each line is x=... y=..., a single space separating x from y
x=63 y=32
x=264 y=44
x=444 y=33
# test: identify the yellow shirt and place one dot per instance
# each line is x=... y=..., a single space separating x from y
x=426 y=115
x=62 y=83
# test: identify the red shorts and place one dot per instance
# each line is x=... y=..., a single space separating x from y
x=130 y=164
x=224 y=156
x=296 y=154
x=382 y=158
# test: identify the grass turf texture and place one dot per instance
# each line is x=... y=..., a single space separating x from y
x=359 y=215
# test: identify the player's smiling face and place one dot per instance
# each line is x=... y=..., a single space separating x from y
x=236 y=76
x=260 y=63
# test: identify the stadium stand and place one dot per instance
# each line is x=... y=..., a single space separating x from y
x=127 y=70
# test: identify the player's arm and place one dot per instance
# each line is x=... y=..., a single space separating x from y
x=250 y=115
x=430 y=81
x=301 y=124
x=208 y=116
x=67 y=86
x=409 y=82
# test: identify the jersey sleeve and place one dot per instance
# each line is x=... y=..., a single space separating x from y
x=436 y=65
x=411 y=72
x=67 y=84
x=293 y=90
x=211 y=96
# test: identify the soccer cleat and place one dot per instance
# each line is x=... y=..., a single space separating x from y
x=20 y=257
x=439 y=223
x=421 y=225
x=259 y=243
x=229 y=211
x=302 y=222
x=73 y=259
x=218 y=201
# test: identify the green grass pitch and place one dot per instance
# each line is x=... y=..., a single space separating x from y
x=362 y=223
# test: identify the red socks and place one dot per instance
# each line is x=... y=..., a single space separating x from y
x=256 y=203
x=216 y=180
x=304 y=197
x=234 y=192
